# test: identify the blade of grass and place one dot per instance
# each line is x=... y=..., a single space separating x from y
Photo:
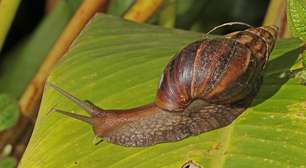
x=7 y=12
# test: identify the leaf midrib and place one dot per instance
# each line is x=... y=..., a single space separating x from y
x=219 y=160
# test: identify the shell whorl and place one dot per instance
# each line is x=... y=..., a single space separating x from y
x=259 y=40
x=220 y=71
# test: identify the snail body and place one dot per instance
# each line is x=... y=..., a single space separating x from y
x=207 y=85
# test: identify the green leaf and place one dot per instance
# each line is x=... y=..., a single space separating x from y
x=301 y=72
x=8 y=111
x=304 y=58
x=118 y=7
x=24 y=60
x=117 y=64
x=7 y=162
x=167 y=14
x=8 y=10
x=296 y=12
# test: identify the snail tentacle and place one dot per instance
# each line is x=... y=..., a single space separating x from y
x=228 y=24
x=73 y=115
x=89 y=107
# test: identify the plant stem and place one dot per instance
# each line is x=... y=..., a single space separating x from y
x=142 y=10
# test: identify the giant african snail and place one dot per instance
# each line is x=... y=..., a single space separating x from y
x=205 y=86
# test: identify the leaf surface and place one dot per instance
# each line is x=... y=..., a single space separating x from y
x=8 y=111
x=117 y=64
x=7 y=162
x=297 y=18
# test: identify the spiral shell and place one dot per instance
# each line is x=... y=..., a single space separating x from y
x=220 y=71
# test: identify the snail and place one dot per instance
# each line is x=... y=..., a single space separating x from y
x=206 y=86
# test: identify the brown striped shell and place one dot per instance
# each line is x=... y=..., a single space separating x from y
x=221 y=71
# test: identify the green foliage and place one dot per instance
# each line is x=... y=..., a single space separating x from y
x=8 y=111
x=300 y=72
x=7 y=162
x=167 y=14
x=296 y=13
x=117 y=64
x=304 y=58
x=7 y=12
x=205 y=14
x=119 y=7
x=188 y=12
x=24 y=60
x=301 y=76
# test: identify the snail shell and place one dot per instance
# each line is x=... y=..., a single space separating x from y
x=221 y=71
x=205 y=86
